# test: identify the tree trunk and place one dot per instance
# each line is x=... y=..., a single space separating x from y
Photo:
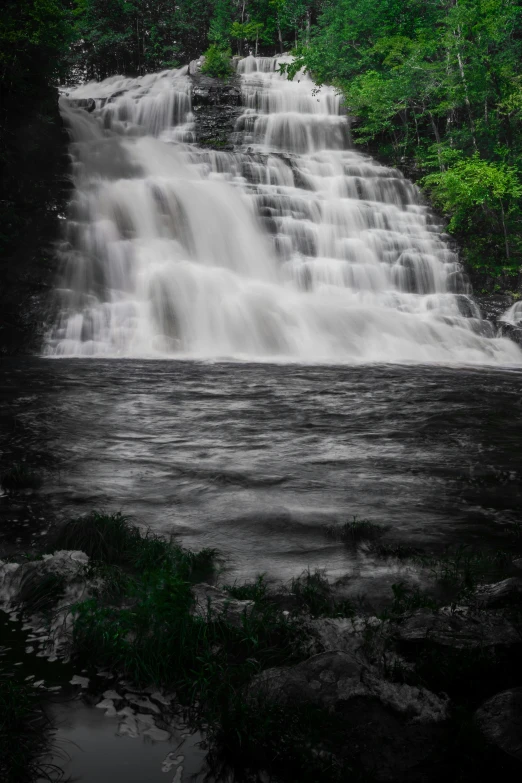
x=466 y=92
x=280 y=36
x=437 y=139
x=506 y=242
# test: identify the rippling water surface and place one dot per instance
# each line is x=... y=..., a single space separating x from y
x=259 y=459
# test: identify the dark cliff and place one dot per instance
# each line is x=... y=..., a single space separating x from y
x=33 y=196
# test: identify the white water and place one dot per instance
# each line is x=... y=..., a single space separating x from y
x=513 y=315
x=293 y=247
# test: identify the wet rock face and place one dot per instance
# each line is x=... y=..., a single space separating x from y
x=216 y=104
x=500 y=721
x=493 y=306
x=89 y=104
x=513 y=332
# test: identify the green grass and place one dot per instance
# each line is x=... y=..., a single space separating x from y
x=111 y=539
x=464 y=568
x=256 y=591
x=19 y=477
x=25 y=734
x=356 y=531
x=408 y=599
x=315 y=595
x=139 y=624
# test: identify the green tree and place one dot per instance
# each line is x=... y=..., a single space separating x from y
x=474 y=191
x=34 y=39
x=431 y=84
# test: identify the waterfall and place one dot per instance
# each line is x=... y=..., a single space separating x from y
x=294 y=246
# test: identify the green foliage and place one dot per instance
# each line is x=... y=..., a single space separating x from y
x=316 y=596
x=256 y=591
x=436 y=87
x=217 y=62
x=464 y=568
x=111 y=540
x=356 y=531
x=219 y=30
x=24 y=733
x=475 y=192
x=34 y=37
x=407 y=599
x=135 y=36
x=140 y=624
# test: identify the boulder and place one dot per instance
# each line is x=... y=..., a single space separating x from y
x=502 y=594
x=330 y=679
x=344 y=634
x=500 y=721
x=47 y=588
x=16 y=579
x=395 y=732
x=512 y=331
x=457 y=630
x=211 y=603
x=195 y=66
x=88 y=104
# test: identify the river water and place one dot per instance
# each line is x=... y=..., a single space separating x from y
x=253 y=345
x=258 y=460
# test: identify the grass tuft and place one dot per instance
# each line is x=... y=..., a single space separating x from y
x=25 y=734
x=408 y=599
x=111 y=539
x=315 y=594
x=256 y=591
x=464 y=568
x=356 y=531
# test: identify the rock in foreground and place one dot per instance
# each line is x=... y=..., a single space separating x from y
x=500 y=721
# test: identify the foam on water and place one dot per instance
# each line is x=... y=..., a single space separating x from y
x=292 y=247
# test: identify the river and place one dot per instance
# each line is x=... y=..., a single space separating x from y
x=258 y=460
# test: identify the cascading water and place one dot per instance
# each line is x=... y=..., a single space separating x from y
x=294 y=246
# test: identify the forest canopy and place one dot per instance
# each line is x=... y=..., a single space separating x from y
x=433 y=86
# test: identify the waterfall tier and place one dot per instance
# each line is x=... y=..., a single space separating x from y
x=292 y=247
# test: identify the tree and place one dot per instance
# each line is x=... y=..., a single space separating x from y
x=477 y=190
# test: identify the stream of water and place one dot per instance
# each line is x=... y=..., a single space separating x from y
x=293 y=247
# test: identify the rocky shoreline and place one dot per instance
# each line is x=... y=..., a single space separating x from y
x=421 y=689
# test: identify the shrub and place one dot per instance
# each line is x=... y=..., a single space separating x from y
x=315 y=594
x=217 y=62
